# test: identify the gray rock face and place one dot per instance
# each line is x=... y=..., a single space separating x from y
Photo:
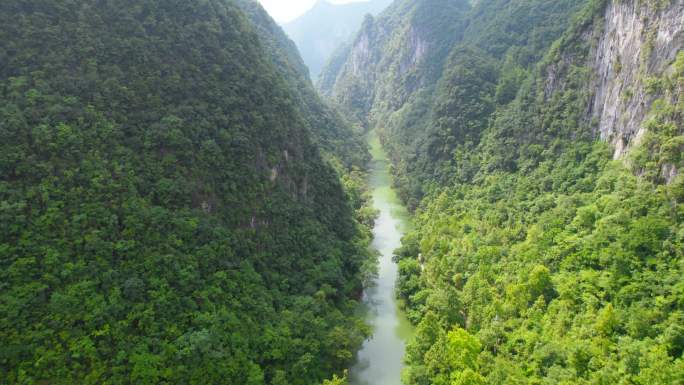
x=321 y=30
x=387 y=75
x=637 y=41
x=392 y=56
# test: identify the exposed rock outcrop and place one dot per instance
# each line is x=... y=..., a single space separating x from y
x=392 y=56
x=638 y=40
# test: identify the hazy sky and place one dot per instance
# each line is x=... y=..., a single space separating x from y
x=286 y=10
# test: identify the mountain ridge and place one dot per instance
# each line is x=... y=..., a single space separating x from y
x=326 y=26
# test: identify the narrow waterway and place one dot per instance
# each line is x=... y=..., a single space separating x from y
x=380 y=360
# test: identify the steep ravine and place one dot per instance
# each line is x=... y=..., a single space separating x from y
x=535 y=256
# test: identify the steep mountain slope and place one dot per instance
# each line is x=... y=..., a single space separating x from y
x=166 y=216
x=423 y=64
x=326 y=26
x=336 y=136
x=636 y=45
x=536 y=257
x=394 y=57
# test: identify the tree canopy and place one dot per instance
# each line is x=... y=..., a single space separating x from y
x=166 y=213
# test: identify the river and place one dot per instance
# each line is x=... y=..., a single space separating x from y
x=380 y=360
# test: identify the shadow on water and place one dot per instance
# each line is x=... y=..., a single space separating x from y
x=380 y=360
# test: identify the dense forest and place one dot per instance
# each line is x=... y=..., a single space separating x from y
x=177 y=204
x=548 y=245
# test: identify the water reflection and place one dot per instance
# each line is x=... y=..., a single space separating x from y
x=380 y=361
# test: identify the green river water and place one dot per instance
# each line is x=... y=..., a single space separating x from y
x=380 y=360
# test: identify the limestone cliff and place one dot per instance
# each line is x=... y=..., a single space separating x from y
x=434 y=75
x=393 y=56
x=629 y=52
x=637 y=41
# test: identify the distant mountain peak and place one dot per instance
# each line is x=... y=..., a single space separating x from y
x=326 y=26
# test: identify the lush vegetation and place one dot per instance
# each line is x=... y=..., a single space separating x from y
x=340 y=142
x=427 y=141
x=389 y=63
x=166 y=215
x=570 y=274
x=536 y=258
x=178 y=206
x=544 y=261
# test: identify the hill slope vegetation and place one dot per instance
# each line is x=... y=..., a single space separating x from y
x=539 y=144
x=166 y=213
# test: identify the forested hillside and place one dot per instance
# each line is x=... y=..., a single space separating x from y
x=178 y=205
x=340 y=141
x=543 y=164
x=439 y=72
x=170 y=211
x=394 y=58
